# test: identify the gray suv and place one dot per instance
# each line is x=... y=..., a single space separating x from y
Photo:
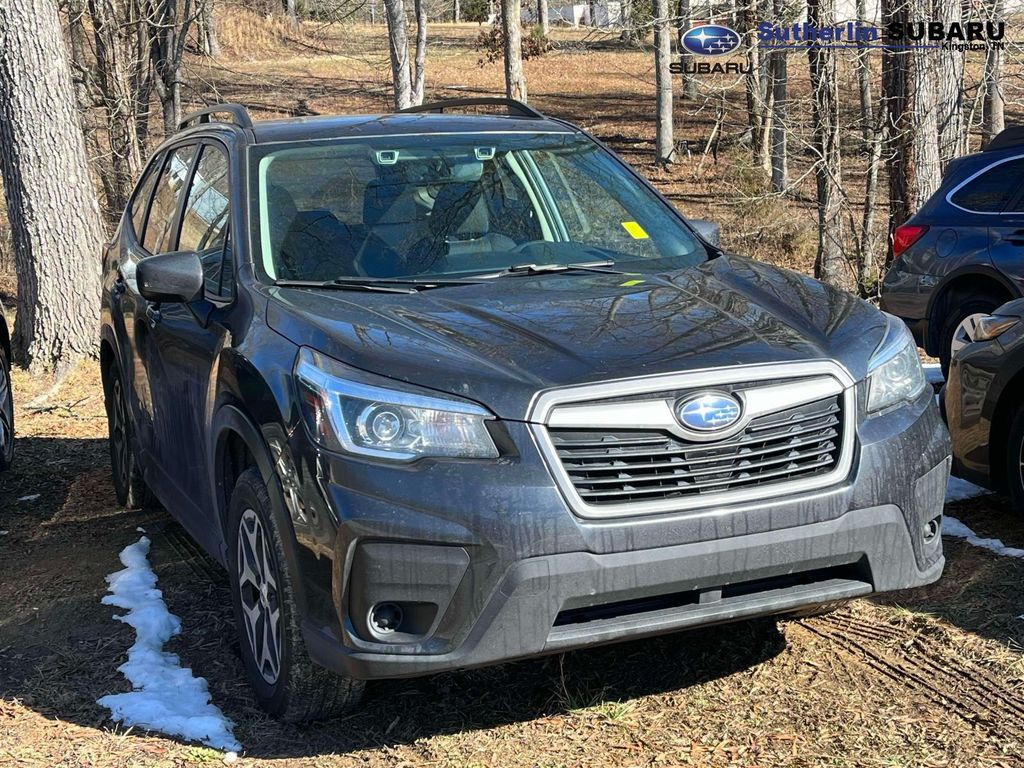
x=960 y=256
x=443 y=390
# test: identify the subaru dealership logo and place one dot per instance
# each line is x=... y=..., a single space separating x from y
x=708 y=411
x=710 y=40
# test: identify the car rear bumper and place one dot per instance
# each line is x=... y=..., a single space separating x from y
x=553 y=603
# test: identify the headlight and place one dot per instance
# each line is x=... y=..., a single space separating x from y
x=345 y=413
x=894 y=373
x=988 y=327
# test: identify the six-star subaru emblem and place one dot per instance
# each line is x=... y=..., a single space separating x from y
x=710 y=40
x=708 y=411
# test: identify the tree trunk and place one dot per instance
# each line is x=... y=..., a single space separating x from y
x=169 y=25
x=924 y=124
x=113 y=67
x=51 y=201
x=398 y=44
x=830 y=264
x=457 y=14
x=511 y=23
x=949 y=88
x=992 y=121
x=867 y=267
x=779 y=152
x=665 y=142
x=207 y=29
x=864 y=80
x=543 y=18
x=683 y=22
x=420 y=62
x=756 y=113
x=292 y=12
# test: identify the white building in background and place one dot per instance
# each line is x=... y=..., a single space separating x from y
x=607 y=13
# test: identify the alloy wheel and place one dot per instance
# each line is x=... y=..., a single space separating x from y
x=6 y=414
x=962 y=334
x=120 y=443
x=261 y=603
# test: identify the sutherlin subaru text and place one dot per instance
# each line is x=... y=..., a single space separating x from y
x=443 y=390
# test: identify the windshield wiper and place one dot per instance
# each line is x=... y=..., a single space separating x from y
x=378 y=284
x=604 y=267
x=342 y=286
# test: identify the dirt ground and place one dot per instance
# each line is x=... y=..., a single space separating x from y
x=932 y=677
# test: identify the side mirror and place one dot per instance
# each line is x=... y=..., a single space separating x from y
x=708 y=230
x=171 y=277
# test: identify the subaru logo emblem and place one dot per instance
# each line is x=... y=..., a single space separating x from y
x=710 y=40
x=708 y=411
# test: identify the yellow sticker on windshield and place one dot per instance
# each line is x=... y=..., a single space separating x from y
x=630 y=283
x=635 y=230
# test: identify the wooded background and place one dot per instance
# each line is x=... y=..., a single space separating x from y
x=856 y=138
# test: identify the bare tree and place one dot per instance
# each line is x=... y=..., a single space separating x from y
x=949 y=88
x=830 y=264
x=511 y=24
x=207 y=29
x=420 y=62
x=398 y=46
x=779 y=79
x=545 y=22
x=757 y=110
x=51 y=201
x=864 y=79
x=292 y=12
x=992 y=121
x=169 y=24
x=665 y=142
x=683 y=20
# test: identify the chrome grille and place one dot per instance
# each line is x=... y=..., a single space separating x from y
x=613 y=467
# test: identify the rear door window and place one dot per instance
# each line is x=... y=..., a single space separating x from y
x=163 y=211
x=992 y=190
x=204 y=223
x=142 y=194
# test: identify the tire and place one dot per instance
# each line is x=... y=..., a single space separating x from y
x=129 y=487
x=1014 y=468
x=961 y=310
x=287 y=684
x=6 y=413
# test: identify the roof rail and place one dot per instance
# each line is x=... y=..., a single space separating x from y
x=238 y=112
x=1011 y=136
x=514 y=108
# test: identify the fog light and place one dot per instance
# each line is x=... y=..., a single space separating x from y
x=932 y=528
x=385 y=618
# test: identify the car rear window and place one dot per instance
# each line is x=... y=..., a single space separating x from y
x=992 y=190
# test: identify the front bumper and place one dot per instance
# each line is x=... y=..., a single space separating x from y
x=491 y=565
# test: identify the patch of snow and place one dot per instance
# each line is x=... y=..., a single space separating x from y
x=958 y=490
x=31 y=497
x=4 y=533
x=933 y=373
x=953 y=527
x=165 y=696
x=230 y=758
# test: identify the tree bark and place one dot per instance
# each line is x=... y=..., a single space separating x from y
x=168 y=22
x=398 y=45
x=683 y=23
x=292 y=12
x=830 y=264
x=756 y=112
x=542 y=18
x=51 y=201
x=664 y=140
x=779 y=151
x=511 y=23
x=457 y=13
x=992 y=121
x=924 y=124
x=207 y=29
x=420 y=62
x=949 y=88
x=113 y=75
x=864 y=80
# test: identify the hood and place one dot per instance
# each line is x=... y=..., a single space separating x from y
x=502 y=341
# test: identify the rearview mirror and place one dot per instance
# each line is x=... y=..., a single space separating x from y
x=708 y=230
x=170 y=277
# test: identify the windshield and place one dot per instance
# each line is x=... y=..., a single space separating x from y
x=456 y=206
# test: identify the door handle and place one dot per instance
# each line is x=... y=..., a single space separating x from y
x=153 y=314
x=1016 y=237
